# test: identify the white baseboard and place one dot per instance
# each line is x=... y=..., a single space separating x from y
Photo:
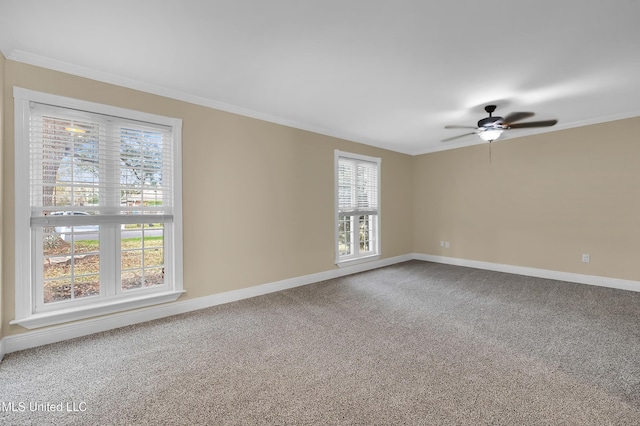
x=62 y=332
x=45 y=336
x=534 y=272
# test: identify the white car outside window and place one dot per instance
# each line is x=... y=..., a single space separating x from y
x=84 y=232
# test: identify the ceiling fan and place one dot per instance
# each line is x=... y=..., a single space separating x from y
x=490 y=128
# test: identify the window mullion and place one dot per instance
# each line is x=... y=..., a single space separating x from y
x=355 y=227
x=37 y=273
x=109 y=255
x=109 y=233
x=354 y=237
x=37 y=267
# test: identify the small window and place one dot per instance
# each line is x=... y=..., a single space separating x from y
x=98 y=227
x=357 y=207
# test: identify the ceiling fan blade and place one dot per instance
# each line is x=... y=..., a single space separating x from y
x=459 y=136
x=545 y=123
x=517 y=116
x=459 y=127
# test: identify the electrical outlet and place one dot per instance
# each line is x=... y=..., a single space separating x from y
x=441 y=243
x=586 y=258
x=446 y=244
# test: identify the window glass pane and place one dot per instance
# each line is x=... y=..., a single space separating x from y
x=71 y=266
x=54 y=241
x=345 y=244
x=85 y=238
x=131 y=259
x=85 y=286
x=131 y=280
x=141 y=167
x=131 y=237
x=57 y=290
x=153 y=256
x=142 y=255
x=153 y=276
x=366 y=233
x=68 y=161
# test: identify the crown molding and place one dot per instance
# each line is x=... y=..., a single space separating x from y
x=117 y=80
x=104 y=77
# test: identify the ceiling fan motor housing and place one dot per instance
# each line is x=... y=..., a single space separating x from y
x=490 y=122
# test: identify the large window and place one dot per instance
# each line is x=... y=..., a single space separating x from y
x=98 y=226
x=357 y=207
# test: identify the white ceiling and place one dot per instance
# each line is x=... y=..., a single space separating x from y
x=389 y=73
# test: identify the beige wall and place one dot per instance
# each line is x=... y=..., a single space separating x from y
x=542 y=201
x=257 y=197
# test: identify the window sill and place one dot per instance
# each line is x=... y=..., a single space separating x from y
x=95 y=309
x=357 y=260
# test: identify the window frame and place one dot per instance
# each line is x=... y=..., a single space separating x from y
x=357 y=257
x=29 y=312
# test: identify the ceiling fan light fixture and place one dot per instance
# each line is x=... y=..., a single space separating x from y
x=490 y=135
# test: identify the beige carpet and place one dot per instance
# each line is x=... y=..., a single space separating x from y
x=415 y=343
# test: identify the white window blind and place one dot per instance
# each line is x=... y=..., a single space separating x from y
x=357 y=186
x=115 y=169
